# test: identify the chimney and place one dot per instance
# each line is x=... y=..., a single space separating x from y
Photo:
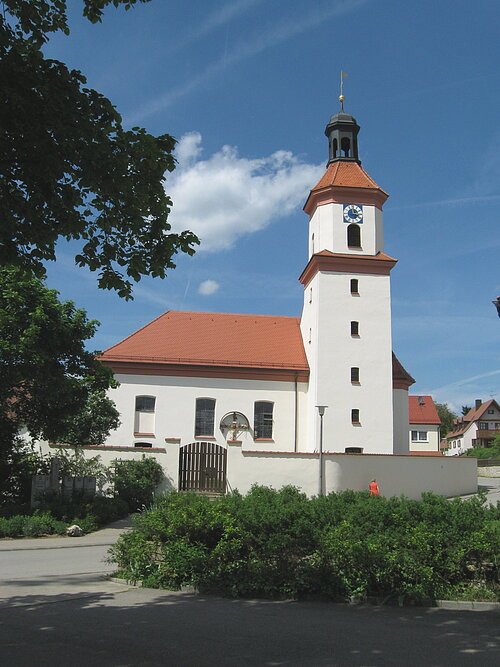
x=479 y=403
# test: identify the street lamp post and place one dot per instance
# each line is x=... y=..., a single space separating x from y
x=321 y=411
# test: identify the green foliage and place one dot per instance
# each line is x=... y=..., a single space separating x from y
x=51 y=384
x=446 y=416
x=136 y=481
x=36 y=525
x=492 y=452
x=92 y=181
x=341 y=546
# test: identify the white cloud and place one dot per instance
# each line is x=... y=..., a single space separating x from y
x=208 y=287
x=227 y=196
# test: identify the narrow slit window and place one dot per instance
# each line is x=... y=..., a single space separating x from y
x=205 y=417
x=355 y=416
x=354 y=328
x=355 y=374
x=354 y=286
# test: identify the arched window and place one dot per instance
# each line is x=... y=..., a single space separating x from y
x=205 y=417
x=354 y=236
x=263 y=420
x=144 y=422
x=345 y=145
x=335 y=148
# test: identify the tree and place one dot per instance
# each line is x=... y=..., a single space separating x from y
x=69 y=169
x=465 y=409
x=50 y=384
x=446 y=416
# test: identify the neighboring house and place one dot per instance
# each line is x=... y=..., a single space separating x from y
x=478 y=428
x=424 y=425
x=228 y=400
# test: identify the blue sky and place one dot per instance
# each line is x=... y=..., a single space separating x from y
x=247 y=87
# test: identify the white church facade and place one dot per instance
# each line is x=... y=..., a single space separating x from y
x=320 y=401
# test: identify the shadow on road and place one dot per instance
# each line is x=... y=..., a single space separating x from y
x=148 y=627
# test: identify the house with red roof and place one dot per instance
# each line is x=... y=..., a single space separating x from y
x=424 y=425
x=227 y=400
x=478 y=428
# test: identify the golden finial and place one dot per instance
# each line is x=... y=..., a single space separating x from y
x=343 y=75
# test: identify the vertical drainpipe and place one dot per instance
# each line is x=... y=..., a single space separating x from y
x=296 y=414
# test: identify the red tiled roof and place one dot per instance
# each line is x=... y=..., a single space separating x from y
x=476 y=413
x=346 y=175
x=215 y=339
x=421 y=410
x=401 y=379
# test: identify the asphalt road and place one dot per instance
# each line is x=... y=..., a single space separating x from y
x=57 y=606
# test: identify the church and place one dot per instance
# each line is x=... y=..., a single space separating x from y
x=228 y=400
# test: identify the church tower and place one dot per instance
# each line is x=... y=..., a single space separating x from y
x=346 y=318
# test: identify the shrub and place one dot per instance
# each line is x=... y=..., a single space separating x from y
x=341 y=546
x=136 y=482
x=31 y=526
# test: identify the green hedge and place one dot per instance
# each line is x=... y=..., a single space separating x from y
x=57 y=514
x=33 y=525
x=341 y=546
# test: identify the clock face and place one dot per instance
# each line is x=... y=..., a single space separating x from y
x=353 y=213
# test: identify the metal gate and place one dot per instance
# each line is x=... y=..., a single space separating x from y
x=202 y=467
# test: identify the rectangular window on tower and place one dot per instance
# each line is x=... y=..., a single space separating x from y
x=355 y=375
x=354 y=286
x=355 y=416
x=354 y=328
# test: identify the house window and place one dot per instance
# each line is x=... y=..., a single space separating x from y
x=354 y=286
x=355 y=374
x=144 y=414
x=355 y=416
x=205 y=417
x=354 y=328
x=263 y=420
x=143 y=444
x=354 y=236
x=483 y=426
x=491 y=412
x=497 y=425
x=419 y=436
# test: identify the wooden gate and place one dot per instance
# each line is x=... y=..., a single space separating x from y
x=202 y=467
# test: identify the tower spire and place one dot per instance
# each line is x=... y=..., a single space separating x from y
x=343 y=75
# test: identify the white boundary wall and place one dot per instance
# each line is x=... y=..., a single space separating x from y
x=396 y=475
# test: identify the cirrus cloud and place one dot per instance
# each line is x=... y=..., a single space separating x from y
x=226 y=196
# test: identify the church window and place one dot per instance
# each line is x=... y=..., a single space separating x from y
x=310 y=295
x=345 y=145
x=354 y=286
x=205 y=417
x=354 y=328
x=312 y=244
x=355 y=416
x=354 y=236
x=144 y=414
x=355 y=374
x=354 y=450
x=263 y=420
x=144 y=445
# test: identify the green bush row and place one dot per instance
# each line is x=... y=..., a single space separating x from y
x=57 y=514
x=341 y=546
x=34 y=525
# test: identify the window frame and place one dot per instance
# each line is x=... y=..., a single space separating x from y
x=355 y=416
x=202 y=418
x=144 y=411
x=417 y=437
x=264 y=430
x=355 y=286
x=355 y=375
x=354 y=328
x=354 y=235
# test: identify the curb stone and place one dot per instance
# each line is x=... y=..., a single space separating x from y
x=457 y=605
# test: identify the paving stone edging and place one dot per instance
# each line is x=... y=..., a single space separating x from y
x=451 y=605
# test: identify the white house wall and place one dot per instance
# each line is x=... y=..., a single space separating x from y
x=330 y=231
x=338 y=351
x=432 y=442
x=175 y=408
